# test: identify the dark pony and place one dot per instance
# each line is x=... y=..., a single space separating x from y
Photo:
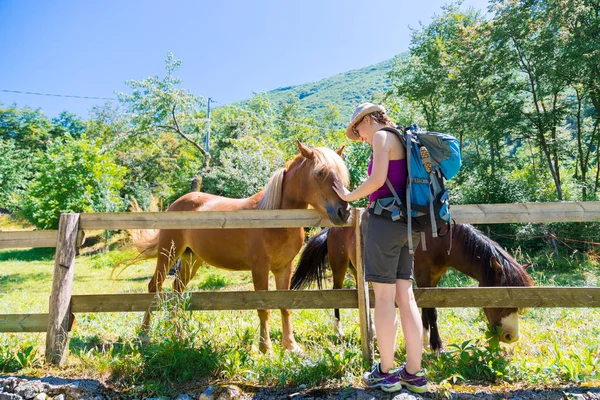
x=472 y=253
x=306 y=180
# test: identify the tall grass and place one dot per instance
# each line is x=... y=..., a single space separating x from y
x=557 y=346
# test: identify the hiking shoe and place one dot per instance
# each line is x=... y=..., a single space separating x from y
x=387 y=382
x=416 y=383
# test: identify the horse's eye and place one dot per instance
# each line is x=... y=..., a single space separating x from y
x=320 y=174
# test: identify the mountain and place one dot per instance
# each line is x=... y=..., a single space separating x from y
x=345 y=90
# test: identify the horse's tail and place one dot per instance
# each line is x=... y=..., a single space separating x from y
x=313 y=262
x=145 y=240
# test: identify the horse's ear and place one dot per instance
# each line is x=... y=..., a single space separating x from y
x=306 y=151
x=526 y=266
x=340 y=150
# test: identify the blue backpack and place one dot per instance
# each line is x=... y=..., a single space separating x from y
x=432 y=158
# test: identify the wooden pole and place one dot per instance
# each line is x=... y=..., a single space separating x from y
x=60 y=318
x=364 y=313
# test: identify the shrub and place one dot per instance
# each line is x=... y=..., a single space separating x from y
x=71 y=176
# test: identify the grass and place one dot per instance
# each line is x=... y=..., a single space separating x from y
x=557 y=346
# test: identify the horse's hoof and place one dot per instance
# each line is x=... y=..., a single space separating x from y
x=265 y=349
x=294 y=348
x=339 y=329
x=144 y=338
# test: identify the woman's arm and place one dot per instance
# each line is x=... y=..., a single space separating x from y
x=381 y=158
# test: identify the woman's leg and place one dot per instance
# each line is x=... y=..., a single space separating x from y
x=386 y=323
x=411 y=324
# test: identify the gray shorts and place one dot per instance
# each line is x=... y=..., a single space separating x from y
x=386 y=256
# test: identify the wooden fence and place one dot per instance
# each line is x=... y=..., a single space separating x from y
x=58 y=321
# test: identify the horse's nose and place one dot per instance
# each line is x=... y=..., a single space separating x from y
x=343 y=213
x=509 y=338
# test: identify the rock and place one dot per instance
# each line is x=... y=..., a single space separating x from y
x=60 y=397
x=183 y=397
x=229 y=392
x=40 y=396
x=10 y=396
x=406 y=395
x=363 y=395
x=29 y=389
x=208 y=394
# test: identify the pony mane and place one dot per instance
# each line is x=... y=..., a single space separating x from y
x=482 y=251
x=271 y=199
x=327 y=161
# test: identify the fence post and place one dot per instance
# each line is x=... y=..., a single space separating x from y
x=60 y=317
x=364 y=313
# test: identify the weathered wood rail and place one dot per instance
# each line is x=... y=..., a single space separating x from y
x=63 y=304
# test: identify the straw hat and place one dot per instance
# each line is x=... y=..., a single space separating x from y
x=362 y=110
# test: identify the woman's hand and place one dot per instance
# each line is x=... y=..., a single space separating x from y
x=341 y=190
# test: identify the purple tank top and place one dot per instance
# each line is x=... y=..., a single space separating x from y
x=397 y=174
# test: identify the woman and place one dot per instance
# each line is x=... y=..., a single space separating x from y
x=388 y=264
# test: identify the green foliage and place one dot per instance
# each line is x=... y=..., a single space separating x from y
x=14 y=171
x=357 y=157
x=345 y=91
x=67 y=124
x=214 y=281
x=30 y=129
x=245 y=168
x=21 y=355
x=471 y=360
x=72 y=176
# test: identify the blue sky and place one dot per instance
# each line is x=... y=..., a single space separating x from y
x=229 y=49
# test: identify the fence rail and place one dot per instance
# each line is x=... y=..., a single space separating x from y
x=59 y=321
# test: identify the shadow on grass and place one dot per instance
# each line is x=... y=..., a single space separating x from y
x=39 y=254
x=13 y=281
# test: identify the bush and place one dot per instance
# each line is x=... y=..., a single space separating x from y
x=13 y=173
x=71 y=176
x=245 y=169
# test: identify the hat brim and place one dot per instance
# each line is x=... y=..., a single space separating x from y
x=374 y=108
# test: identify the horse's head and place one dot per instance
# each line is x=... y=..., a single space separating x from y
x=480 y=257
x=506 y=271
x=312 y=173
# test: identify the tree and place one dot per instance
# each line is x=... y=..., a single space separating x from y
x=28 y=129
x=534 y=36
x=159 y=106
x=72 y=176
x=67 y=123
x=14 y=171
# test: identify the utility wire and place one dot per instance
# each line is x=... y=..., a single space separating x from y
x=58 y=95
x=232 y=106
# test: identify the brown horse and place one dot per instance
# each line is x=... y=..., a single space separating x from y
x=306 y=180
x=472 y=253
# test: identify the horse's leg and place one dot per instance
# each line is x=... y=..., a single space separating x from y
x=189 y=265
x=338 y=248
x=425 y=278
x=282 y=282
x=260 y=279
x=169 y=250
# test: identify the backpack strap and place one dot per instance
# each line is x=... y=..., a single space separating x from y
x=406 y=140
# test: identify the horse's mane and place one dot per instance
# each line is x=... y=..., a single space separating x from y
x=330 y=162
x=483 y=251
x=324 y=159
x=271 y=199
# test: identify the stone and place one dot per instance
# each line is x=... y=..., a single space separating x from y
x=363 y=395
x=183 y=397
x=10 y=396
x=208 y=394
x=406 y=395
x=229 y=392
